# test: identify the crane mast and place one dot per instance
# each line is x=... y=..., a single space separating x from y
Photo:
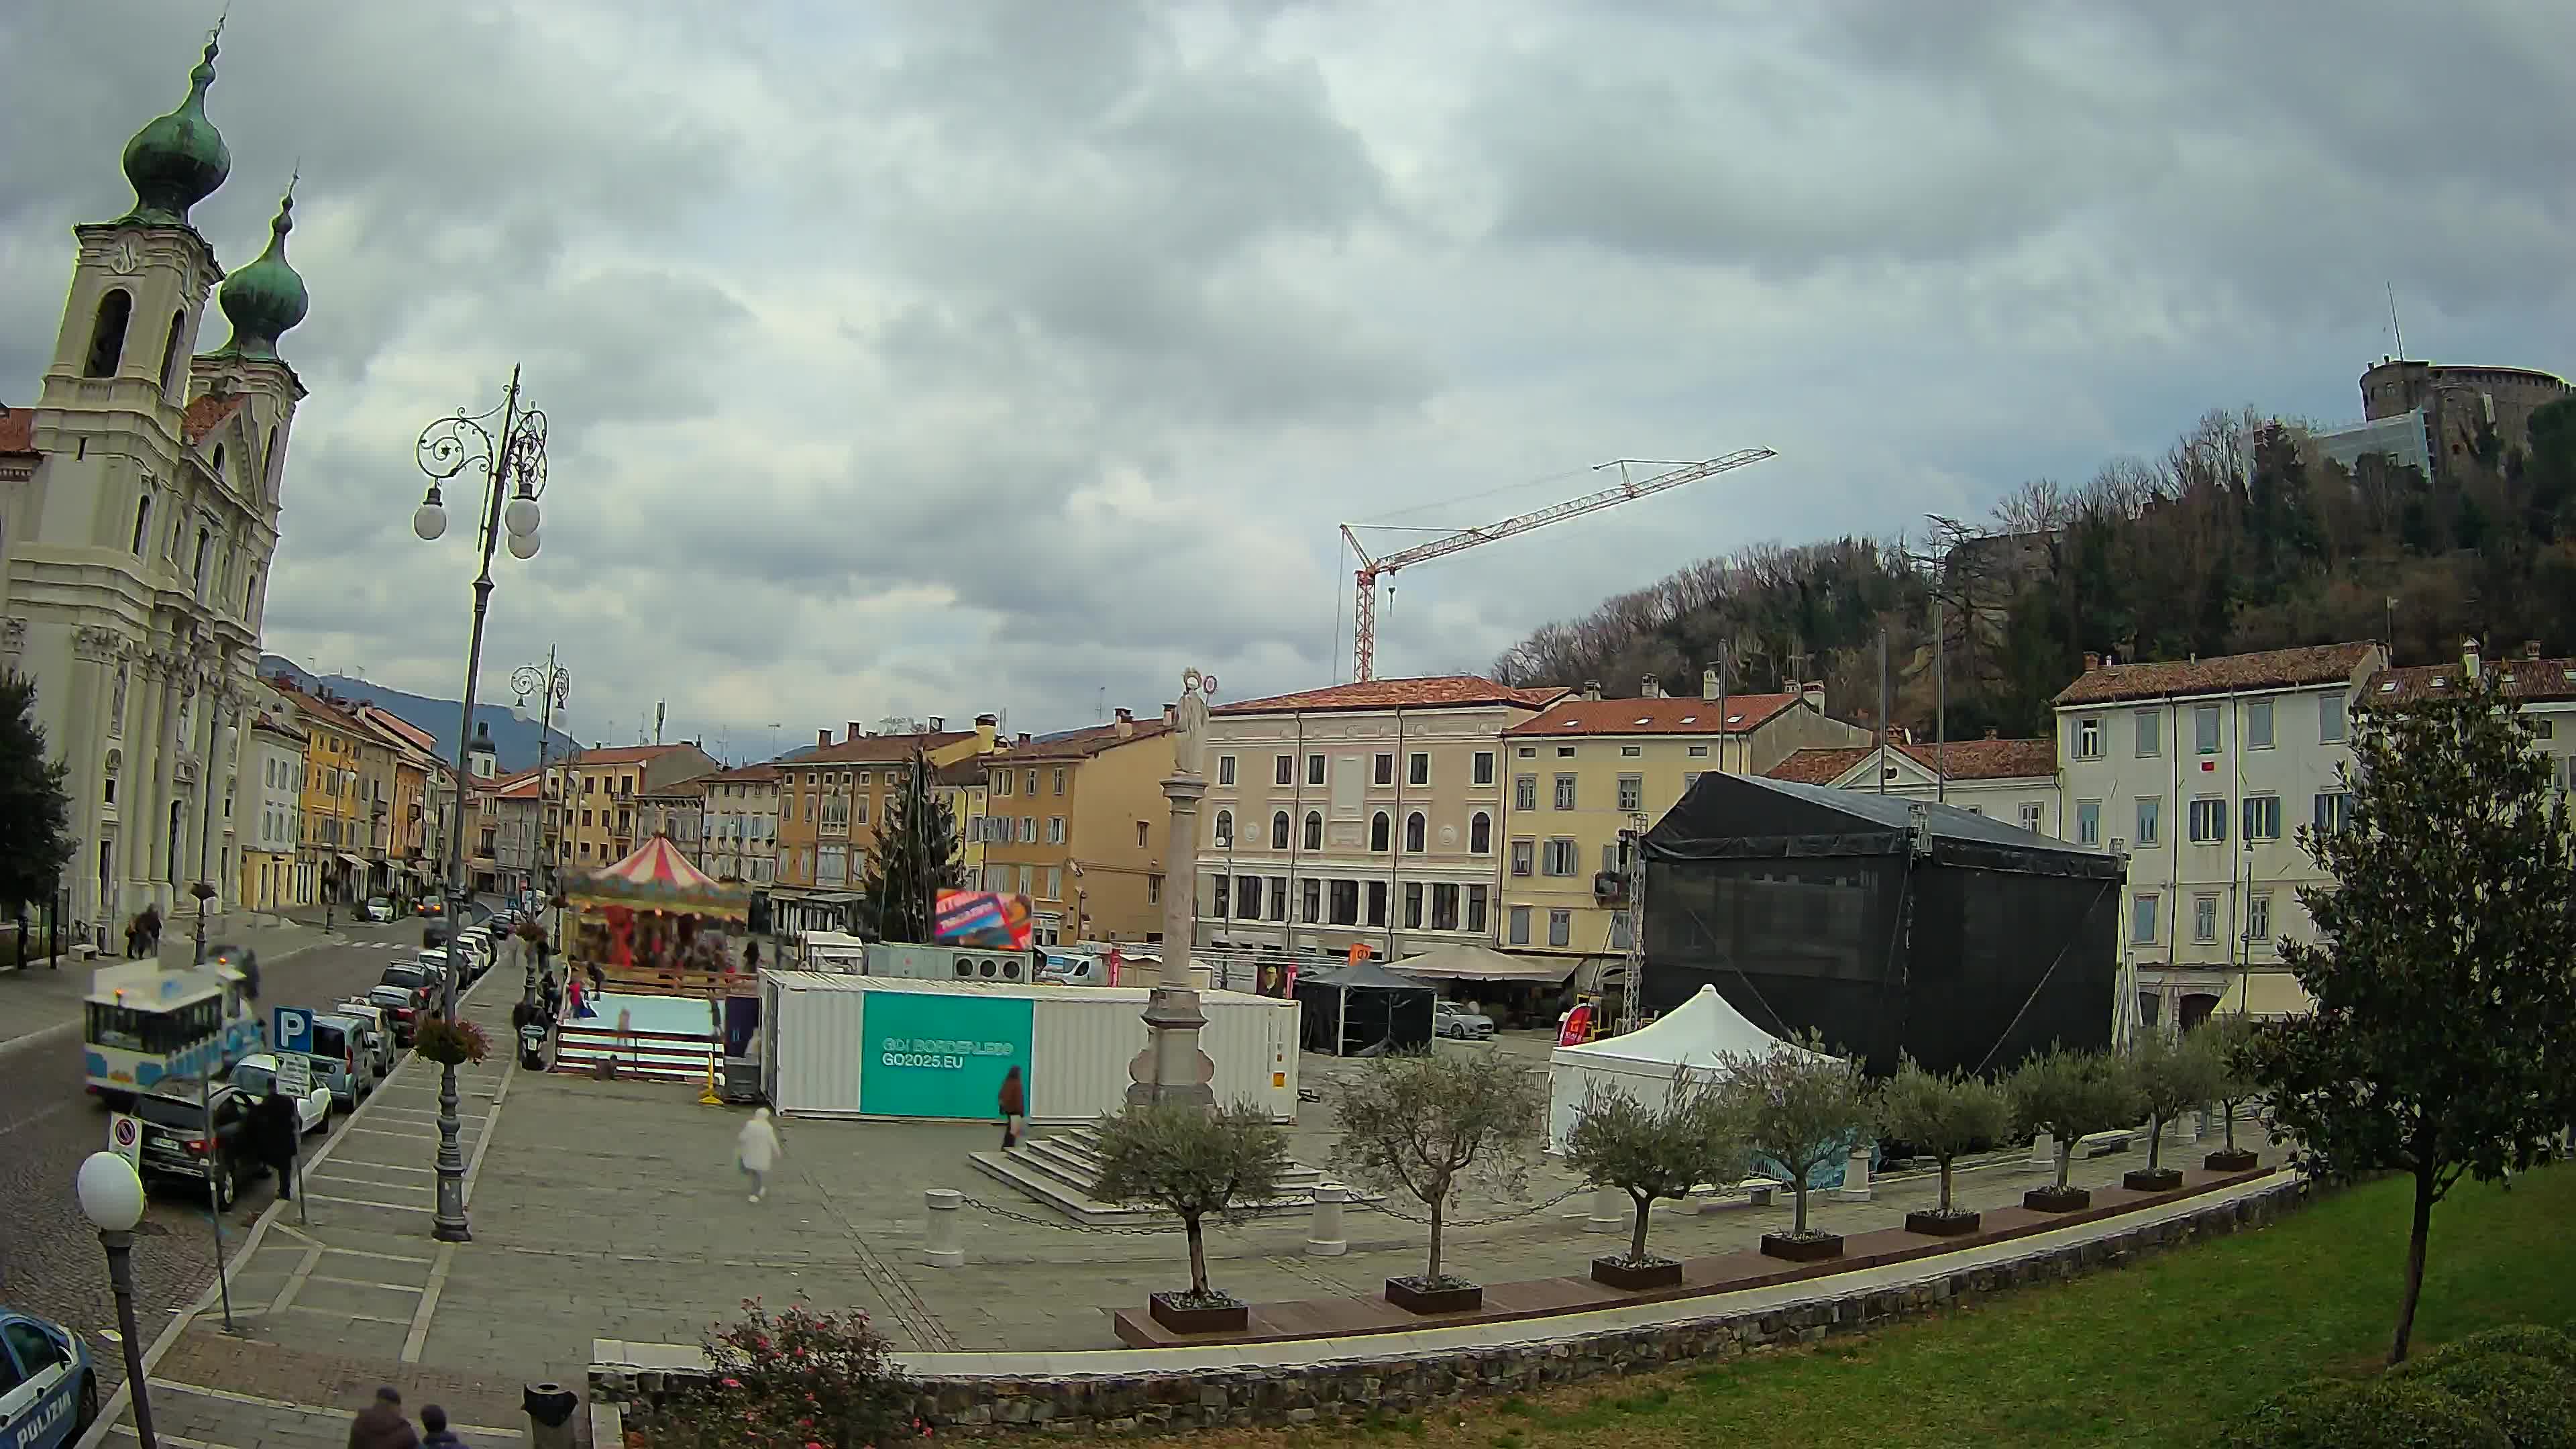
x=1628 y=489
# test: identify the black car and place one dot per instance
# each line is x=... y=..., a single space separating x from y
x=192 y=1140
x=403 y=1007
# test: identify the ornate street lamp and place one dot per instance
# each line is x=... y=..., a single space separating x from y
x=513 y=459
x=555 y=686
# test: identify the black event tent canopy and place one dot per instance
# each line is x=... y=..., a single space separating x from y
x=1362 y=1009
x=1886 y=923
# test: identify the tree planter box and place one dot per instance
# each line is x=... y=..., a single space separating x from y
x=2057 y=1200
x=1193 y=1318
x=1415 y=1296
x=1802 y=1250
x=1942 y=1225
x=2238 y=1160
x=1653 y=1273
x=2151 y=1179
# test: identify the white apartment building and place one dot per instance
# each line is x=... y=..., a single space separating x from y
x=1365 y=814
x=742 y=825
x=271 y=820
x=2201 y=771
x=2008 y=780
x=2545 y=688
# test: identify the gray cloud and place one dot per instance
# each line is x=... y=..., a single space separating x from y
x=989 y=355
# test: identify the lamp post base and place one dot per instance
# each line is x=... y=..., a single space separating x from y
x=450 y=1226
x=120 y=1278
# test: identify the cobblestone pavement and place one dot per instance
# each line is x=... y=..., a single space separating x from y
x=50 y=1262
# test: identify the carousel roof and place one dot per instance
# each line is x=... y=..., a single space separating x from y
x=657 y=877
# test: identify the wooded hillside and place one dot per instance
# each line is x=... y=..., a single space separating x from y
x=2239 y=537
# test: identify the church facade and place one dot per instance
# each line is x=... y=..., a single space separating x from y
x=139 y=504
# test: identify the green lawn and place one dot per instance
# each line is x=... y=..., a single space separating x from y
x=2156 y=1354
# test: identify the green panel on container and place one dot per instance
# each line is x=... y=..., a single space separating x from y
x=938 y=1054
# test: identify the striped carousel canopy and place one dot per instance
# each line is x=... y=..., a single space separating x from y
x=658 y=878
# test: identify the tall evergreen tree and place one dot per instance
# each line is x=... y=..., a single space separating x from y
x=2441 y=1042
x=915 y=858
x=34 y=845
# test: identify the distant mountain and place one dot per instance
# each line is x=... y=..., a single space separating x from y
x=514 y=739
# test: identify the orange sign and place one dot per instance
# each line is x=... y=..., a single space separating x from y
x=1359 y=953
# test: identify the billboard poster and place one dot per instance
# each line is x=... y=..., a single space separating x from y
x=943 y=1055
x=986 y=920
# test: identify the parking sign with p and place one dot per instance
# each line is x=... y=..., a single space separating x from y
x=292 y=1029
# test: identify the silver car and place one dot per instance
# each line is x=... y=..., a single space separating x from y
x=1459 y=1020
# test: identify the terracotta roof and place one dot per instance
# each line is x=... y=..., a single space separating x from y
x=17 y=430
x=744 y=775
x=1081 y=744
x=1438 y=691
x=2271 y=669
x=515 y=787
x=400 y=728
x=621 y=755
x=694 y=785
x=881 y=749
x=2541 y=679
x=1964 y=759
x=1665 y=716
x=207 y=414
x=966 y=772
x=277 y=728
x=327 y=711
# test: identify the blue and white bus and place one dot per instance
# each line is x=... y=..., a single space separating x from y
x=148 y=1023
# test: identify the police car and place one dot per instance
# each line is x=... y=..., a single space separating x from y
x=48 y=1393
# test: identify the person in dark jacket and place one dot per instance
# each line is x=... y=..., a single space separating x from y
x=381 y=1425
x=1015 y=1106
x=434 y=1433
x=276 y=1128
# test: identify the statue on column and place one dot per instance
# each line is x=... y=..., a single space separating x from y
x=1189 y=731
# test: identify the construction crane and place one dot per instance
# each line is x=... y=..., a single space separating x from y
x=1364 y=617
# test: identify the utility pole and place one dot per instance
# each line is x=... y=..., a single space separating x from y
x=1940 y=704
x=1882 y=709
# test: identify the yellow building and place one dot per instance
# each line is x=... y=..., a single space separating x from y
x=965 y=787
x=600 y=789
x=1585 y=770
x=831 y=801
x=414 y=761
x=1077 y=823
x=335 y=816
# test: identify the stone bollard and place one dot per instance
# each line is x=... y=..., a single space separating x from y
x=1855 y=1186
x=2043 y=1151
x=549 y=1409
x=1611 y=1212
x=943 y=1244
x=1325 y=1235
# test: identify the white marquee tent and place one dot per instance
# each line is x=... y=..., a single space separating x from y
x=1691 y=1037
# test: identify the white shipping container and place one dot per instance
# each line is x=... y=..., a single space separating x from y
x=1082 y=1040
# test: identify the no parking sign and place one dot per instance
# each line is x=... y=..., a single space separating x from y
x=125 y=1138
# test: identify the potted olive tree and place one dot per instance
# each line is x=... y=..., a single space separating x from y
x=2069 y=1094
x=1192 y=1163
x=1802 y=1108
x=1424 y=1124
x=2227 y=1039
x=1652 y=1152
x=1942 y=1117
x=2171 y=1078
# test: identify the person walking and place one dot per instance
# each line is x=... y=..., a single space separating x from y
x=150 y=923
x=756 y=1150
x=1015 y=1106
x=381 y=1425
x=434 y=1431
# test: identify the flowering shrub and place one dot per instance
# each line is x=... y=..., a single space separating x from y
x=795 y=1379
x=450 y=1042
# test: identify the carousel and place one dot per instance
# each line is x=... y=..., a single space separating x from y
x=653 y=921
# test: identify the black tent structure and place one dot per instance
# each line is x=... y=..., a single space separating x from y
x=1363 y=1010
x=1885 y=923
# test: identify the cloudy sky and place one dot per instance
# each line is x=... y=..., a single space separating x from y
x=933 y=358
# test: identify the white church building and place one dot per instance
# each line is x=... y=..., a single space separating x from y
x=138 y=513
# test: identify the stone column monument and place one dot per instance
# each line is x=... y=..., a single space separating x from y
x=1172 y=1068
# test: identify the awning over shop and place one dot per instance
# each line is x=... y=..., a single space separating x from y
x=1467 y=961
x=358 y=861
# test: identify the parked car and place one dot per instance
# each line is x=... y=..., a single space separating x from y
x=342 y=1059
x=425 y=971
x=1459 y=1020
x=380 y=908
x=194 y=1140
x=403 y=1007
x=51 y=1397
x=256 y=1076
x=378 y=1024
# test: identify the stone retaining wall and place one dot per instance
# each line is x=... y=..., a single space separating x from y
x=1410 y=1383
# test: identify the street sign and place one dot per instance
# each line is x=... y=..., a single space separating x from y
x=125 y=1138
x=291 y=1029
x=294 y=1075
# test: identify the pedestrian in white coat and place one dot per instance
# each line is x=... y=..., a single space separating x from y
x=756 y=1150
